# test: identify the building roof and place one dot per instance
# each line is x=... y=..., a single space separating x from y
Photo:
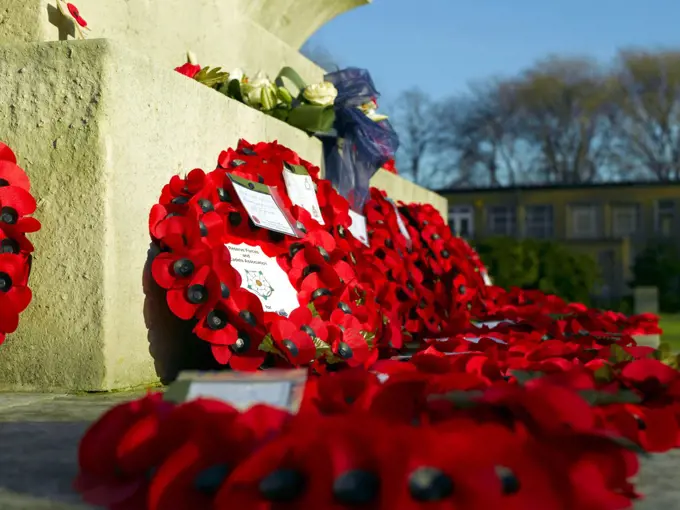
x=534 y=187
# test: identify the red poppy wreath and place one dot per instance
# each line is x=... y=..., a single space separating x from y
x=261 y=276
x=16 y=204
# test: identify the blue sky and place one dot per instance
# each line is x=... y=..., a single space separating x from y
x=442 y=45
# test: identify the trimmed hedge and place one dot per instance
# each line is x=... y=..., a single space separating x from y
x=537 y=264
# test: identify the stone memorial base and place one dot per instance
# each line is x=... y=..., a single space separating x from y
x=100 y=129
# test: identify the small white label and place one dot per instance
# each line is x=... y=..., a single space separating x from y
x=486 y=278
x=400 y=222
x=301 y=192
x=358 y=227
x=243 y=395
x=263 y=276
x=263 y=209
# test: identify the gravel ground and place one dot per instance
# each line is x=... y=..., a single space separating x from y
x=39 y=435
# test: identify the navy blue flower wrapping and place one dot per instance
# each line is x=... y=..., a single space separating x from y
x=361 y=146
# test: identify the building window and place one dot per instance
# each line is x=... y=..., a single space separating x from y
x=502 y=221
x=583 y=221
x=539 y=221
x=461 y=220
x=665 y=217
x=625 y=220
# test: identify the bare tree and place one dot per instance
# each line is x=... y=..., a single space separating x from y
x=479 y=131
x=647 y=92
x=413 y=119
x=565 y=110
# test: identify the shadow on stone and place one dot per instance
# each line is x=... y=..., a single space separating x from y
x=64 y=25
x=40 y=459
x=172 y=344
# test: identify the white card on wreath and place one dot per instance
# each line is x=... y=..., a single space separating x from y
x=300 y=187
x=358 y=227
x=261 y=206
x=279 y=388
x=263 y=276
x=400 y=223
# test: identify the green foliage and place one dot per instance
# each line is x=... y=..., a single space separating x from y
x=658 y=265
x=545 y=265
x=212 y=77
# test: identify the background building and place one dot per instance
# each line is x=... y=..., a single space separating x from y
x=611 y=222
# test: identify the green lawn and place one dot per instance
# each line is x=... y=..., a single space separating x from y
x=670 y=323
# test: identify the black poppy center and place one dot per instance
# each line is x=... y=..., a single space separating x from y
x=640 y=423
x=428 y=484
x=197 y=294
x=312 y=268
x=183 y=268
x=345 y=351
x=224 y=290
x=462 y=289
x=344 y=307
x=242 y=343
x=509 y=482
x=320 y=293
x=282 y=486
x=341 y=231
x=356 y=487
x=216 y=320
x=300 y=227
x=307 y=330
x=435 y=237
x=223 y=195
x=291 y=347
x=202 y=229
x=235 y=219
x=248 y=317
x=9 y=246
x=179 y=200
x=209 y=480
x=294 y=248
x=324 y=253
x=445 y=254
x=248 y=151
x=8 y=215
x=5 y=282
x=3 y=183
x=206 y=205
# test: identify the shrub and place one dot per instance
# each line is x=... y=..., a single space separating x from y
x=658 y=265
x=545 y=265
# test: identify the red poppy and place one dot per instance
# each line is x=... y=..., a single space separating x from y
x=295 y=344
x=14 y=294
x=111 y=473
x=190 y=70
x=12 y=175
x=15 y=204
x=6 y=154
x=73 y=10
